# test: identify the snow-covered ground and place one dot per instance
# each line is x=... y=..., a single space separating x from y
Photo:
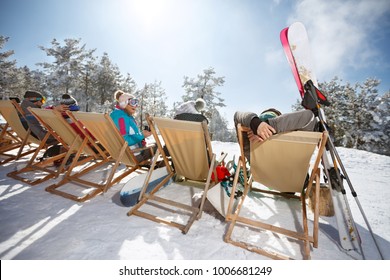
x=37 y=225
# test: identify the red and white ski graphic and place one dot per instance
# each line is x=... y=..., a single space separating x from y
x=296 y=46
x=290 y=59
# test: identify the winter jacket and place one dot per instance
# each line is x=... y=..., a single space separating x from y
x=299 y=120
x=187 y=107
x=128 y=128
x=36 y=128
x=244 y=118
x=191 y=117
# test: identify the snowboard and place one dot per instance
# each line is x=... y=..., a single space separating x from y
x=296 y=47
x=130 y=192
x=219 y=198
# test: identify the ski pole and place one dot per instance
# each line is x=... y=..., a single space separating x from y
x=335 y=154
x=354 y=194
x=349 y=222
x=312 y=91
x=339 y=184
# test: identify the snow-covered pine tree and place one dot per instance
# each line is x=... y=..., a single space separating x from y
x=218 y=129
x=128 y=84
x=152 y=101
x=87 y=84
x=364 y=104
x=63 y=74
x=8 y=78
x=340 y=113
x=381 y=118
x=205 y=86
x=30 y=79
x=172 y=112
x=108 y=80
x=358 y=116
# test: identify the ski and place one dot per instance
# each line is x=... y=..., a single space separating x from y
x=298 y=41
x=296 y=47
x=291 y=60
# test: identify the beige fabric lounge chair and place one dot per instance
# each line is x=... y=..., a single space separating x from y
x=70 y=143
x=22 y=142
x=281 y=164
x=8 y=137
x=189 y=147
x=116 y=151
x=80 y=150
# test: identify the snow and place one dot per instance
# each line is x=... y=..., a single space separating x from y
x=37 y=225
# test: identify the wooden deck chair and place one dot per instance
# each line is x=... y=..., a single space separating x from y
x=8 y=136
x=103 y=130
x=280 y=163
x=70 y=143
x=8 y=139
x=82 y=150
x=189 y=146
x=22 y=142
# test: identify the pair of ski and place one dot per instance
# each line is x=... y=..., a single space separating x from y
x=296 y=46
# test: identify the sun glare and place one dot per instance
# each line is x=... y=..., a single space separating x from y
x=149 y=12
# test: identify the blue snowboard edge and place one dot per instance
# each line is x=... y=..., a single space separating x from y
x=130 y=198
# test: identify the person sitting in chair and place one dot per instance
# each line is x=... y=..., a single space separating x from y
x=35 y=99
x=270 y=122
x=123 y=117
x=191 y=111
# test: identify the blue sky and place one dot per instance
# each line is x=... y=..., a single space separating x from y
x=165 y=40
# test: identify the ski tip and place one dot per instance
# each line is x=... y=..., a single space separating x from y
x=298 y=26
x=283 y=36
x=297 y=23
x=283 y=31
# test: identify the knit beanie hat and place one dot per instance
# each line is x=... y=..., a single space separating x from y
x=124 y=98
x=118 y=94
x=67 y=99
x=33 y=95
x=269 y=114
x=200 y=104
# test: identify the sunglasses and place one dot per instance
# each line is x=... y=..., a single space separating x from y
x=36 y=99
x=133 y=102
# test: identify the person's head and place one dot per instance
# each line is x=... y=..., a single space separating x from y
x=128 y=102
x=199 y=104
x=35 y=97
x=17 y=100
x=70 y=101
x=269 y=114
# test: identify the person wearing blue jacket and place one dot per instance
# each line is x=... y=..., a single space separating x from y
x=123 y=117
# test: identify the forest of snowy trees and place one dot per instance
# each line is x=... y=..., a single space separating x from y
x=358 y=116
x=93 y=80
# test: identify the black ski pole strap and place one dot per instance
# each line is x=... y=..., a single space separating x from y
x=313 y=96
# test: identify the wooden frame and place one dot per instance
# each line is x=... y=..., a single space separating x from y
x=314 y=180
x=178 y=152
x=70 y=143
x=90 y=124
x=20 y=137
